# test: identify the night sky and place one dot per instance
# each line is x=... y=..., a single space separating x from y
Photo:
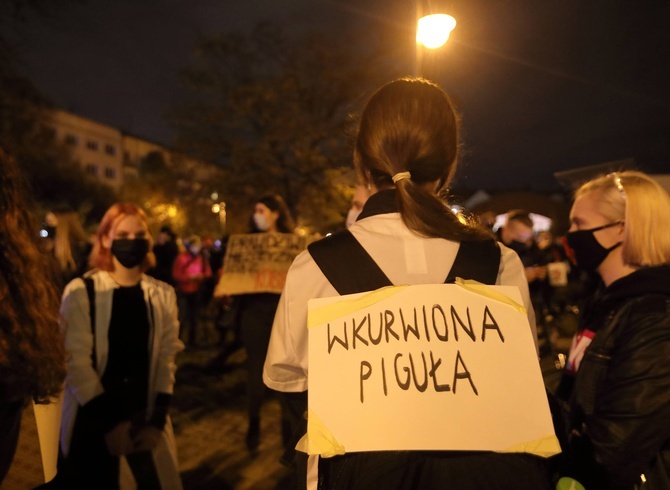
x=542 y=86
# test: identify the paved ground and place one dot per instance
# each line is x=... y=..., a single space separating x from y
x=209 y=416
x=210 y=426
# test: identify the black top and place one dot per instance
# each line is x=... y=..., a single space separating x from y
x=126 y=377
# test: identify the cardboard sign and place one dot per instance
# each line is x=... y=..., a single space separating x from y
x=427 y=367
x=258 y=263
x=47 y=419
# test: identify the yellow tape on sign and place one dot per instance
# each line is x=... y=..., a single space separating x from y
x=319 y=440
x=545 y=447
x=484 y=290
x=327 y=313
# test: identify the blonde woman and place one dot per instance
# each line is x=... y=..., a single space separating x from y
x=617 y=377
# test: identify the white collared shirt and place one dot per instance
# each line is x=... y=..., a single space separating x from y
x=404 y=257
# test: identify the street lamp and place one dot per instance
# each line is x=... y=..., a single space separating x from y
x=432 y=31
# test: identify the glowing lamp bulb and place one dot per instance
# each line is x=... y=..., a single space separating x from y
x=433 y=30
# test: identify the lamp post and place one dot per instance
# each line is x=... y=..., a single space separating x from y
x=432 y=32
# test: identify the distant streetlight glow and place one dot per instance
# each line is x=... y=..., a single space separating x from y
x=220 y=209
x=433 y=30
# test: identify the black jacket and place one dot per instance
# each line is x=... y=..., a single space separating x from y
x=620 y=402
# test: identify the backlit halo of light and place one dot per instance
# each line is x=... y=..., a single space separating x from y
x=433 y=30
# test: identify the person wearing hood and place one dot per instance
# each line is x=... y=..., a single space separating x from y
x=617 y=377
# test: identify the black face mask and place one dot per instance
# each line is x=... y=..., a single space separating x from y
x=585 y=250
x=130 y=253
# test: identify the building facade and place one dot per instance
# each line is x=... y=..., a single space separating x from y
x=112 y=156
x=97 y=147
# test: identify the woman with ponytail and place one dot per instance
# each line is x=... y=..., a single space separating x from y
x=406 y=152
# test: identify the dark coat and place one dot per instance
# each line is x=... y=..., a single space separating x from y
x=620 y=402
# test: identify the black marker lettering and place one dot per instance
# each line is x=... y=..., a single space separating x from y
x=444 y=337
x=388 y=321
x=457 y=319
x=405 y=385
x=335 y=338
x=357 y=329
x=433 y=368
x=492 y=325
x=407 y=328
x=421 y=387
x=465 y=374
x=366 y=372
x=378 y=338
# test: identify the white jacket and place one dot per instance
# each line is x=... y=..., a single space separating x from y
x=83 y=381
x=403 y=256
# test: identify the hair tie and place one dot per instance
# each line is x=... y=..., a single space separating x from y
x=400 y=176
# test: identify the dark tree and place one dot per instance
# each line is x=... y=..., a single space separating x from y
x=174 y=191
x=274 y=112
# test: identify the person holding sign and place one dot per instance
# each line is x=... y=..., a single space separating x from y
x=406 y=151
x=257 y=310
x=617 y=377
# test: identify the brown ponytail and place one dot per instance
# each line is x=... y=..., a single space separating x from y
x=410 y=125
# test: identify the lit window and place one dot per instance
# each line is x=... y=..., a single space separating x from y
x=92 y=169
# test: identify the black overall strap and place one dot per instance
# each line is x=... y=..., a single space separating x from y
x=350 y=269
x=90 y=291
x=476 y=260
x=346 y=264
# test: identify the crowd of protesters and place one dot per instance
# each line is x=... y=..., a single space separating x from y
x=130 y=303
